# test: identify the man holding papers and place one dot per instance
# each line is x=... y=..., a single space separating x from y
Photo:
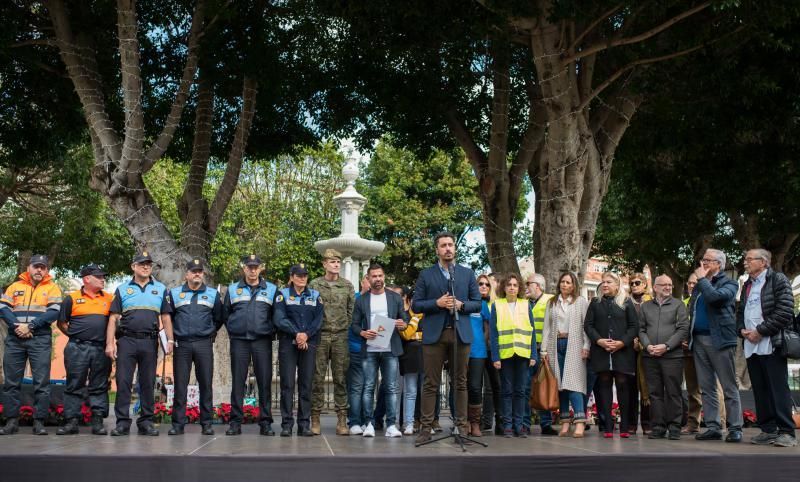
x=378 y=315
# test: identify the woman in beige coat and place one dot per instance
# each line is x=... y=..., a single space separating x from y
x=563 y=336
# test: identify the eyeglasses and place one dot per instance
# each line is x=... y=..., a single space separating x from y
x=706 y=260
x=636 y=283
x=483 y=283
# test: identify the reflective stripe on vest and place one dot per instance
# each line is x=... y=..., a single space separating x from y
x=539 y=310
x=514 y=333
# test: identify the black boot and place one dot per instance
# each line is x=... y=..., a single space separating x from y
x=69 y=428
x=11 y=427
x=97 y=425
x=38 y=427
x=498 y=425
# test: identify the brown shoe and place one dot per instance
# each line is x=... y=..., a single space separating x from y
x=424 y=436
x=315 y=428
x=435 y=427
x=474 y=417
x=341 y=423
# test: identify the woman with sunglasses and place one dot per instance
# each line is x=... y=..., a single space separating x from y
x=612 y=324
x=479 y=361
x=640 y=395
x=564 y=338
x=513 y=342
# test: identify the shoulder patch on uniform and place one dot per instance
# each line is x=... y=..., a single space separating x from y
x=319 y=300
x=129 y=291
x=279 y=298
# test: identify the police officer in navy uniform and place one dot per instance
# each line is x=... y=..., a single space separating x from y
x=84 y=319
x=248 y=308
x=196 y=313
x=298 y=316
x=134 y=322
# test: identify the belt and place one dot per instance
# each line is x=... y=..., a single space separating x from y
x=87 y=342
x=139 y=335
x=563 y=335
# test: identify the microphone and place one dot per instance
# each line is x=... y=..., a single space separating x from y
x=451 y=268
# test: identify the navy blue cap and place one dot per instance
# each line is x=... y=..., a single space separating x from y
x=195 y=263
x=251 y=260
x=298 y=269
x=142 y=257
x=92 y=270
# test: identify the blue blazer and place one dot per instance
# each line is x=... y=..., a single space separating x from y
x=430 y=286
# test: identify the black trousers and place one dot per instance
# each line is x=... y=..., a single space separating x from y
x=664 y=377
x=300 y=364
x=770 y=381
x=201 y=352
x=603 y=392
x=86 y=361
x=18 y=351
x=260 y=351
x=133 y=352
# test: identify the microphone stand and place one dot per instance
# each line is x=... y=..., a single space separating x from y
x=458 y=437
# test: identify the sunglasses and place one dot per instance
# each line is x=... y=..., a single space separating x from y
x=483 y=283
x=636 y=283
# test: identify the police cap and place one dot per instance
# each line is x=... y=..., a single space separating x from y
x=143 y=257
x=251 y=260
x=298 y=270
x=92 y=270
x=195 y=264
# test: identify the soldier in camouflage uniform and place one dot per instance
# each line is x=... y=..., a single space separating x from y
x=339 y=298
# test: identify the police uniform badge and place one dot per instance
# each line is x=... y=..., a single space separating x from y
x=239 y=291
x=204 y=297
x=129 y=291
x=252 y=256
x=182 y=295
x=155 y=292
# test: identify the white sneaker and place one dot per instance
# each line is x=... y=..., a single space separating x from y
x=392 y=432
x=356 y=430
x=369 y=431
x=409 y=430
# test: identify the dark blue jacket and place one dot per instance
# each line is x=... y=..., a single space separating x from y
x=362 y=318
x=719 y=296
x=249 y=311
x=195 y=314
x=430 y=286
x=299 y=313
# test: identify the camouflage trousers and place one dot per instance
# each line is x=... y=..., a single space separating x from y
x=332 y=348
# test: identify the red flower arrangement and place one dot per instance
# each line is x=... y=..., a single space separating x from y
x=251 y=414
x=749 y=418
x=223 y=412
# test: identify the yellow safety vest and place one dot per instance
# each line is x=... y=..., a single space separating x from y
x=513 y=333
x=539 y=310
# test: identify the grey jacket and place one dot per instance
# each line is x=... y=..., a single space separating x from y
x=667 y=323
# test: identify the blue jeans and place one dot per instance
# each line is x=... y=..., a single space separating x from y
x=389 y=366
x=411 y=384
x=513 y=376
x=355 y=389
x=567 y=397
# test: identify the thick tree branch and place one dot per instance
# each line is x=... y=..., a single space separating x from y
x=613 y=42
x=192 y=196
x=501 y=86
x=235 y=156
x=181 y=96
x=630 y=66
x=81 y=64
x=475 y=155
x=131 y=160
x=48 y=42
x=592 y=26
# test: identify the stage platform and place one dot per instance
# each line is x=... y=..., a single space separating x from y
x=251 y=457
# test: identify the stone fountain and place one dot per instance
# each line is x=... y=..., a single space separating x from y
x=356 y=251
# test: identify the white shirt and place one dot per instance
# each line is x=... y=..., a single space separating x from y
x=378 y=306
x=562 y=320
x=753 y=317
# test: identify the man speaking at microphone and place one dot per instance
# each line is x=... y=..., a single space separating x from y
x=442 y=336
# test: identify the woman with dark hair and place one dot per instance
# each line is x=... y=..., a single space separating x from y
x=563 y=336
x=513 y=342
x=612 y=324
x=410 y=361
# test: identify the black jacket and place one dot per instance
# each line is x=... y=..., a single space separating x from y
x=362 y=318
x=605 y=317
x=777 y=304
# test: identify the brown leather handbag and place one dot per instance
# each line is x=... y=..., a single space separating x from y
x=544 y=389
